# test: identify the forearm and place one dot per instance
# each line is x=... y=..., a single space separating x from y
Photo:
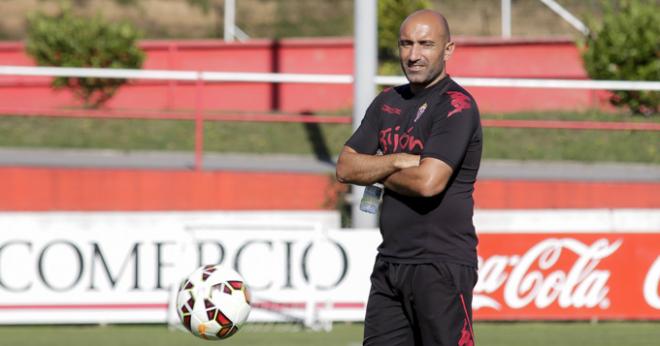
x=427 y=180
x=363 y=169
x=408 y=182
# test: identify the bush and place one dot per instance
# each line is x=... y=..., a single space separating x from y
x=390 y=15
x=627 y=47
x=67 y=40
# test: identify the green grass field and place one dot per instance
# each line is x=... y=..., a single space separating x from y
x=327 y=139
x=488 y=334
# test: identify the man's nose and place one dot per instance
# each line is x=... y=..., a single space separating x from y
x=415 y=52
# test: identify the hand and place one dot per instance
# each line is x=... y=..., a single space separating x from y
x=405 y=160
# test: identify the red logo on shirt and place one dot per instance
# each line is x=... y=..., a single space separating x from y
x=459 y=101
x=390 y=109
x=392 y=139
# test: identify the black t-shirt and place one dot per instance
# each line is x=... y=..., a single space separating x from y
x=441 y=122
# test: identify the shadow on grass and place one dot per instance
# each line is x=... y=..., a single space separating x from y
x=318 y=141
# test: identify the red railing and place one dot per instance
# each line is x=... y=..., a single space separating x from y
x=200 y=116
x=308 y=118
x=200 y=113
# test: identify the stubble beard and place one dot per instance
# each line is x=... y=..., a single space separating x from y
x=424 y=78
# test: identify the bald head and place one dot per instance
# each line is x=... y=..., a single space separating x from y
x=424 y=47
x=435 y=20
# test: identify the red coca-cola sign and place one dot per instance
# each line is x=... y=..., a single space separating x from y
x=568 y=276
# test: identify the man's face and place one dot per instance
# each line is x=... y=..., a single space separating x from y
x=423 y=50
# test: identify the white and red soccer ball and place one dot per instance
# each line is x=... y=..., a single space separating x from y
x=213 y=302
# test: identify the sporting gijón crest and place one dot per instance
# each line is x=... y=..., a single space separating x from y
x=420 y=111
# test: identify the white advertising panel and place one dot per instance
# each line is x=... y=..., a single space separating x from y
x=121 y=267
x=125 y=267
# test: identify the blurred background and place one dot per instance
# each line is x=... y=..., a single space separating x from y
x=142 y=138
x=268 y=19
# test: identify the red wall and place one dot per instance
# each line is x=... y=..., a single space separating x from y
x=542 y=58
x=46 y=189
x=556 y=58
x=290 y=56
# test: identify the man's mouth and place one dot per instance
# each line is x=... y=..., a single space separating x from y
x=415 y=68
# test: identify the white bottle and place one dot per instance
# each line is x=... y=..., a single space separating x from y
x=371 y=198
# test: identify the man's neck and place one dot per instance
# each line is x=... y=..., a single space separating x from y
x=417 y=88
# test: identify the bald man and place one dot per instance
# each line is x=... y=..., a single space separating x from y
x=430 y=137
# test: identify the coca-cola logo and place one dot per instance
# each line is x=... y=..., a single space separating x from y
x=535 y=278
x=651 y=285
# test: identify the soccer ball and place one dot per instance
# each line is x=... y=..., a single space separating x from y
x=213 y=302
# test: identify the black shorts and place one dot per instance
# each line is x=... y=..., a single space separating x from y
x=426 y=304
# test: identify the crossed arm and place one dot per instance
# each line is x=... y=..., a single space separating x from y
x=403 y=173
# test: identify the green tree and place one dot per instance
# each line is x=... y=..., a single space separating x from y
x=390 y=15
x=626 y=46
x=67 y=40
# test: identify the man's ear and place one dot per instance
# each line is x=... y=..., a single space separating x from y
x=449 y=50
